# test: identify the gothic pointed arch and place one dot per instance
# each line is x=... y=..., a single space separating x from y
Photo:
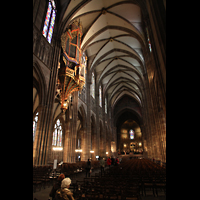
x=39 y=83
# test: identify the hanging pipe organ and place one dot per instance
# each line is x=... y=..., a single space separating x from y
x=71 y=74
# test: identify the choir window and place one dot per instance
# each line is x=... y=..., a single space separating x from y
x=49 y=21
x=57 y=134
x=35 y=125
x=131 y=132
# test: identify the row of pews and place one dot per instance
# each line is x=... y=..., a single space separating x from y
x=129 y=180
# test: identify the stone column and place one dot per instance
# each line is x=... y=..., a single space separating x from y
x=104 y=126
x=97 y=121
x=46 y=118
x=74 y=125
x=66 y=144
x=87 y=133
x=37 y=134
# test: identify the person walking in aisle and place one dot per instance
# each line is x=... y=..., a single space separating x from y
x=112 y=161
x=88 y=167
x=102 y=164
x=108 y=162
x=116 y=161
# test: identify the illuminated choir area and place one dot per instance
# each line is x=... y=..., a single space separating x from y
x=130 y=138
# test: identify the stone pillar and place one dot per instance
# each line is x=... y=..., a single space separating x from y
x=82 y=132
x=66 y=144
x=46 y=118
x=104 y=127
x=147 y=116
x=37 y=134
x=74 y=125
x=87 y=133
x=114 y=141
x=97 y=121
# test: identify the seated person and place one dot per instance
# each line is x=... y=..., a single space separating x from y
x=64 y=193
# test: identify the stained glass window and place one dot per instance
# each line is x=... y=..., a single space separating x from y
x=106 y=105
x=149 y=43
x=93 y=86
x=49 y=20
x=131 y=132
x=35 y=125
x=100 y=96
x=57 y=134
x=58 y=122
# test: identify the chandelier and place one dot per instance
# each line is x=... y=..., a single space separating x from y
x=72 y=64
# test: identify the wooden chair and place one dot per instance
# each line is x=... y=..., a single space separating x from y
x=160 y=184
x=148 y=183
x=36 y=183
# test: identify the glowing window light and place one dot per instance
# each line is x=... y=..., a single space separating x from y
x=49 y=20
x=57 y=148
x=131 y=132
x=78 y=150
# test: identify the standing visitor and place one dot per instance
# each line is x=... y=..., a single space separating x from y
x=117 y=161
x=88 y=167
x=102 y=164
x=109 y=162
x=112 y=161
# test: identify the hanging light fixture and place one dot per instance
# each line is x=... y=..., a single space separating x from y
x=71 y=64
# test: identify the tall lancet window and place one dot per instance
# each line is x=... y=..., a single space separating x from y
x=92 y=92
x=149 y=43
x=106 y=106
x=100 y=96
x=35 y=125
x=57 y=134
x=49 y=20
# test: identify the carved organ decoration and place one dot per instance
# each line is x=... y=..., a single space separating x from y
x=71 y=74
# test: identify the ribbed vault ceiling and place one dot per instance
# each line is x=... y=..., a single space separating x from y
x=113 y=40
